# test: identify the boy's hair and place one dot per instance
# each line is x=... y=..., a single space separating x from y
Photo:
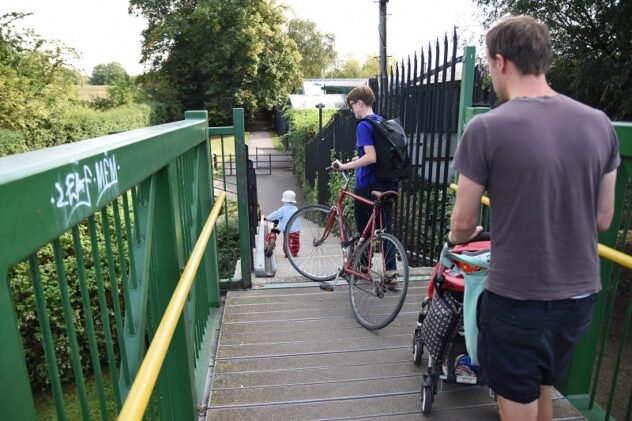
x=361 y=93
x=524 y=41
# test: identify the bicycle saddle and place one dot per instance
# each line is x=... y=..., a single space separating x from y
x=385 y=196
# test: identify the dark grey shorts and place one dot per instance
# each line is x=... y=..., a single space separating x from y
x=525 y=344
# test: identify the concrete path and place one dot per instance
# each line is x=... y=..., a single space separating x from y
x=269 y=191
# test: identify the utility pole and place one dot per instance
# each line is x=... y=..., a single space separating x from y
x=382 y=31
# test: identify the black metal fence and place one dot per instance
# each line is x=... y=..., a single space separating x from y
x=424 y=92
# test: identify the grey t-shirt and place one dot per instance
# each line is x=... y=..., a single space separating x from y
x=541 y=161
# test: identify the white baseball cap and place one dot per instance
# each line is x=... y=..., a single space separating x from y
x=288 y=196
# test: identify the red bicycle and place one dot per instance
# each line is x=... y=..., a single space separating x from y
x=270 y=240
x=374 y=263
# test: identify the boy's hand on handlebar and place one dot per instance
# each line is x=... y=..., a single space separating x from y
x=337 y=165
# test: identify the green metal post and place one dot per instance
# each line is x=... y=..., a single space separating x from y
x=467 y=87
x=242 y=196
x=207 y=200
x=575 y=384
x=16 y=399
x=175 y=382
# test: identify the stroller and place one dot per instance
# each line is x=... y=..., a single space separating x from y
x=440 y=325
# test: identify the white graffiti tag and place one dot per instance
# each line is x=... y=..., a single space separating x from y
x=73 y=191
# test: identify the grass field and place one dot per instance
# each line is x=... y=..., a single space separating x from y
x=88 y=92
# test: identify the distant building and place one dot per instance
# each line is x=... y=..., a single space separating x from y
x=330 y=92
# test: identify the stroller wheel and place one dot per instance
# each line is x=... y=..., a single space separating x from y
x=418 y=350
x=426 y=400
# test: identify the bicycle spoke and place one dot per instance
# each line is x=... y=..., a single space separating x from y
x=373 y=303
x=320 y=255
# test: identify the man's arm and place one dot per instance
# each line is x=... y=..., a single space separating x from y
x=368 y=158
x=466 y=211
x=605 y=205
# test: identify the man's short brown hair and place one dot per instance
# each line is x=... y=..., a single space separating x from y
x=361 y=93
x=522 y=40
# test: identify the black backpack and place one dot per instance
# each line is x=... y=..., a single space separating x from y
x=391 y=149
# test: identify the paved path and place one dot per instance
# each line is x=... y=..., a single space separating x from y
x=269 y=191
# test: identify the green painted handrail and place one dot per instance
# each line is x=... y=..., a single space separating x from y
x=126 y=207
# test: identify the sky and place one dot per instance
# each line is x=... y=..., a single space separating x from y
x=102 y=31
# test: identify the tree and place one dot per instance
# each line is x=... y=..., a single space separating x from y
x=592 y=45
x=34 y=79
x=218 y=54
x=108 y=74
x=317 y=49
x=371 y=66
x=352 y=68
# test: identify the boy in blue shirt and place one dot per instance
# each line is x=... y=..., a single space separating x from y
x=283 y=215
x=360 y=101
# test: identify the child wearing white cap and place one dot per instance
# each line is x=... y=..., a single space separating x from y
x=283 y=215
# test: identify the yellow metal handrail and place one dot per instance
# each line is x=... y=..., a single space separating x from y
x=606 y=252
x=144 y=382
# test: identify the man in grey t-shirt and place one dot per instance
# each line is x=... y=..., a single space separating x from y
x=549 y=165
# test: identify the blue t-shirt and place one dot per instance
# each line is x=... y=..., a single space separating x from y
x=365 y=176
x=283 y=214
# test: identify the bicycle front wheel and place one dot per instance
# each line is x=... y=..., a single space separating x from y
x=319 y=256
x=377 y=302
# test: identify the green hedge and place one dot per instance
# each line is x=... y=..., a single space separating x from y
x=74 y=122
x=228 y=242
x=303 y=125
x=21 y=285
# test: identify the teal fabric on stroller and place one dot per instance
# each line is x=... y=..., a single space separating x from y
x=472 y=266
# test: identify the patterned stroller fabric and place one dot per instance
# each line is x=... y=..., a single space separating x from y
x=440 y=325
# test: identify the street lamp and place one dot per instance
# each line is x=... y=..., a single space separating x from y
x=320 y=107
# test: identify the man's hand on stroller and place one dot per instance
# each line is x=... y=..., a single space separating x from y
x=452 y=241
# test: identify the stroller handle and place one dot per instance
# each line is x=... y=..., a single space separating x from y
x=483 y=236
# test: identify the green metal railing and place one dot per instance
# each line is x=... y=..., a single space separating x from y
x=598 y=381
x=95 y=235
x=599 y=378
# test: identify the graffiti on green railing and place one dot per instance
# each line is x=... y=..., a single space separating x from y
x=75 y=190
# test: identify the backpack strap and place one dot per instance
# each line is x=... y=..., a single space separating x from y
x=374 y=122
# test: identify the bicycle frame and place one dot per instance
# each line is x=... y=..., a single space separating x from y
x=368 y=231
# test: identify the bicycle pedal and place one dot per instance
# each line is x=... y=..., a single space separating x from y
x=326 y=287
x=350 y=241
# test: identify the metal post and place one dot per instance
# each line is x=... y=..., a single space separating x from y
x=467 y=87
x=16 y=399
x=382 y=31
x=242 y=197
x=320 y=107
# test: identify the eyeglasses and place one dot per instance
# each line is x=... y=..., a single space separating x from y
x=351 y=103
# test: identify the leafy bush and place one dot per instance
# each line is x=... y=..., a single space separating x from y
x=228 y=242
x=335 y=184
x=303 y=125
x=12 y=142
x=21 y=284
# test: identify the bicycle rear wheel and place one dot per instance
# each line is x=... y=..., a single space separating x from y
x=374 y=304
x=320 y=255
